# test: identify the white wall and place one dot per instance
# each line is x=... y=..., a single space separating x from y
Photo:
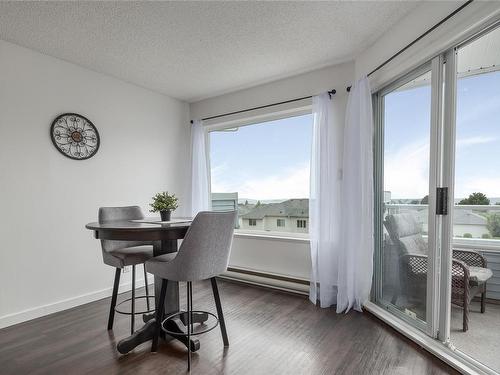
x=288 y=257
x=280 y=256
x=48 y=260
x=312 y=83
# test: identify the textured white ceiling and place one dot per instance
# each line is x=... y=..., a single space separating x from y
x=193 y=50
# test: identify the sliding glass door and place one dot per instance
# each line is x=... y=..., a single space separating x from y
x=406 y=108
x=475 y=258
x=437 y=184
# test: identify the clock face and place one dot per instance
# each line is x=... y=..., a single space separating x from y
x=74 y=136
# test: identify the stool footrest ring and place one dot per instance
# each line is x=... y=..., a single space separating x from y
x=179 y=316
x=151 y=298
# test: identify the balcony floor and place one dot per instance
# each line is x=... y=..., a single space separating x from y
x=482 y=340
x=270 y=332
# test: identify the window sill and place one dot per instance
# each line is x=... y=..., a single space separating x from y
x=273 y=236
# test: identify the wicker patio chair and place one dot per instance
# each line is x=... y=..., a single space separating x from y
x=469 y=268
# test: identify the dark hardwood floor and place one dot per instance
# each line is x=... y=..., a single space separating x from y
x=270 y=332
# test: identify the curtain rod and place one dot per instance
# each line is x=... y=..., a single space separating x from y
x=419 y=38
x=331 y=93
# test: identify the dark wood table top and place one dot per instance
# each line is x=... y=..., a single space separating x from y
x=136 y=231
x=129 y=225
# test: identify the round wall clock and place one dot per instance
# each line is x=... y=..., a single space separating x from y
x=74 y=136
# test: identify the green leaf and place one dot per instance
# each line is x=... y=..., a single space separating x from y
x=164 y=202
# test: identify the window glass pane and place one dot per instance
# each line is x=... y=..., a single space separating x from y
x=263 y=171
x=406 y=162
x=477 y=191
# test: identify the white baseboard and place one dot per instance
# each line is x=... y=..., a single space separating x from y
x=39 y=311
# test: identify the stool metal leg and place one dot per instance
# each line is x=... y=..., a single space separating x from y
x=146 y=286
x=191 y=302
x=189 y=325
x=220 y=314
x=114 y=296
x=483 y=300
x=132 y=317
x=159 y=314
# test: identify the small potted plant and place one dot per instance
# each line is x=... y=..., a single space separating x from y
x=164 y=203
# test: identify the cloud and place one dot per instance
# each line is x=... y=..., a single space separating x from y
x=406 y=171
x=291 y=183
x=218 y=174
x=479 y=140
x=218 y=171
x=406 y=176
x=488 y=107
x=486 y=185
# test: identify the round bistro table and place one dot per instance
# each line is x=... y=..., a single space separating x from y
x=164 y=238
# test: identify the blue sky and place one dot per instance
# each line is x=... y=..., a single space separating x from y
x=407 y=134
x=271 y=160
x=263 y=161
x=478 y=134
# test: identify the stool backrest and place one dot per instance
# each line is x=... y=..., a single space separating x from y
x=120 y=213
x=204 y=252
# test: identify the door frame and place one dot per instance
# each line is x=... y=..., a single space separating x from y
x=449 y=143
x=430 y=325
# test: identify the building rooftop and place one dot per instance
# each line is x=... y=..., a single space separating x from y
x=244 y=209
x=288 y=208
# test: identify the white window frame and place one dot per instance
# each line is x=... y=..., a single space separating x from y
x=299 y=108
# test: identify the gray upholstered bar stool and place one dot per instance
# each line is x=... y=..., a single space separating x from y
x=203 y=255
x=119 y=254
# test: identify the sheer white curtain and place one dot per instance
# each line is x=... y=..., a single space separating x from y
x=341 y=201
x=324 y=201
x=200 y=172
x=356 y=259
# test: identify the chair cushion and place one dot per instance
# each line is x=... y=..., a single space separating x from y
x=414 y=244
x=406 y=231
x=128 y=256
x=403 y=225
x=156 y=265
x=479 y=275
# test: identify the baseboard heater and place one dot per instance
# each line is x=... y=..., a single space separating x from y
x=268 y=280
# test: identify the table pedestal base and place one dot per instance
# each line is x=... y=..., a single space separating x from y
x=146 y=333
